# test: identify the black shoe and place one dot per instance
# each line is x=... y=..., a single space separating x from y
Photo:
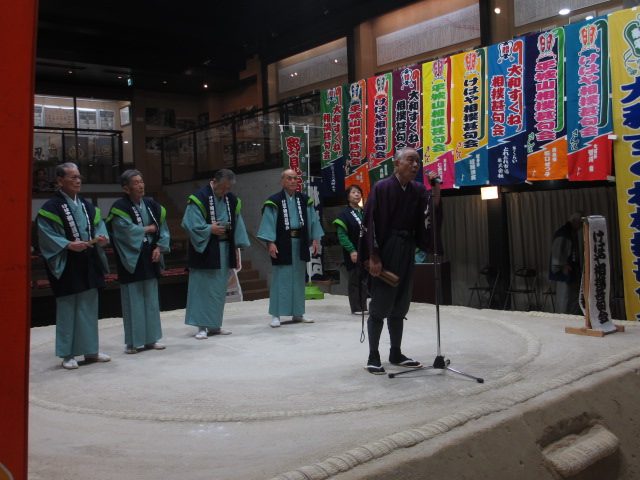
x=374 y=365
x=401 y=360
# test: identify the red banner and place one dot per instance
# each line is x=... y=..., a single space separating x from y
x=379 y=119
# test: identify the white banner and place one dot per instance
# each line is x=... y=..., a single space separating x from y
x=596 y=278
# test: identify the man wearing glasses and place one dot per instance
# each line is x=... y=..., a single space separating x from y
x=71 y=235
x=290 y=226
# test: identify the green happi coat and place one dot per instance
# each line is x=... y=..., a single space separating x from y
x=207 y=288
x=77 y=313
x=286 y=293
x=140 y=305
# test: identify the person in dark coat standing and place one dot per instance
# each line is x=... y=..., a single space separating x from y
x=398 y=217
x=349 y=230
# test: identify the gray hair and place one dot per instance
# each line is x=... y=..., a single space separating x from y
x=403 y=152
x=61 y=170
x=127 y=175
x=224 y=174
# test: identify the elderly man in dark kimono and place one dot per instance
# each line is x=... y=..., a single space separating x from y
x=397 y=219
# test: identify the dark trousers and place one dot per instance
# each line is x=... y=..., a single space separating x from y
x=390 y=302
x=358 y=290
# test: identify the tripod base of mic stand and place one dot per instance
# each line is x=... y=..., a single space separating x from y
x=440 y=363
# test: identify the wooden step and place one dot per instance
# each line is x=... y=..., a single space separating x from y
x=255 y=294
x=248 y=275
x=253 y=284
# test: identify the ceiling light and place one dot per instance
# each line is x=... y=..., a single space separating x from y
x=295 y=74
x=205 y=85
x=119 y=77
x=335 y=60
x=125 y=141
x=589 y=17
x=564 y=11
x=164 y=82
x=497 y=10
x=69 y=72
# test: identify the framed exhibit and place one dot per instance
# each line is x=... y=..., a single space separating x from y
x=125 y=116
x=106 y=119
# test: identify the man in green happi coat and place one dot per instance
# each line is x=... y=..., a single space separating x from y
x=140 y=236
x=71 y=236
x=213 y=220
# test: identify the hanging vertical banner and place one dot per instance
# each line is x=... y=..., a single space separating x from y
x=436 y=114
x=469 y=128
x=356 y=166
x=596 y=275
x=507 y=128
x=624 y=36
x=361 y=178
x=379 y=126
x=545 y=106
x=355 y=146
x=588 y=100
x=295 y=152
x=314 y=265
x=332 y=157
x=407 y=126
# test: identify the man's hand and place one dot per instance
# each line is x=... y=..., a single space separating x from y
x=101 y=240
x=435 y=187
x=155 y=255
x=316 y=246
x=273 y=250
x=149 y=229
x=354 y=256
x=77 y=246
x=375 y=266
x=218 y=229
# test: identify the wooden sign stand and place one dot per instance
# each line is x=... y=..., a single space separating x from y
x=587 y=329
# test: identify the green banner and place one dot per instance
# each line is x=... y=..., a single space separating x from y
x=331 y=108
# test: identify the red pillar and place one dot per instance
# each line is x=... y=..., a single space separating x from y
x=17 y=48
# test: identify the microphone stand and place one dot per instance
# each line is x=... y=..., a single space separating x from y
x=440 y=362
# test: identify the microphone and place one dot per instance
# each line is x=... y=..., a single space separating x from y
x=435 y=180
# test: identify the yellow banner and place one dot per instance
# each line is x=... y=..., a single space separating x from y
x=457 y=104
x=436 y=109
x=624 y=39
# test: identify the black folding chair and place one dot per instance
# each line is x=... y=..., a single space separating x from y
x=485 y=287
x=523 y=282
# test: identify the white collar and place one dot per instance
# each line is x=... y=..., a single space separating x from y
x=404 y=187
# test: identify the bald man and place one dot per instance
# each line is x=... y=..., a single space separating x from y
x=291 y=227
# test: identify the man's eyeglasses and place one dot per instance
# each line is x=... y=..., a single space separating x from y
x=74 y=177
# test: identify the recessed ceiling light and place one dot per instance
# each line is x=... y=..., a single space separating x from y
x=295 y=74
x=497 y=10
x=335 y=60
x=205 y=85
x=119 y=77
x=564 y=11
